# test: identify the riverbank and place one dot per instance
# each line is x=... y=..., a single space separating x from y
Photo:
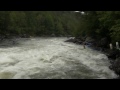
x=113 y=55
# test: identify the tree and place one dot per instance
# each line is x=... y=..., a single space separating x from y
x=38 y=23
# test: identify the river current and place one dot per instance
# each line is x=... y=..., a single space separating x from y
x=52 y=58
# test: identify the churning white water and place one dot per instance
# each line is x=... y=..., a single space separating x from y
x=52 y=58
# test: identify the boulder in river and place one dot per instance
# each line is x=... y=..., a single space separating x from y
x=75 y=40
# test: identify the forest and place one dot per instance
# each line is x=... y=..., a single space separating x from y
x=96 y=24
x=38 y=23
x=100 y=24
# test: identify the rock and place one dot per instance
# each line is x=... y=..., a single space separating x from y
x=116 y=66
x=111 y=67
x=112 y=61
x=69 y=36
x=14 y=42
x=79 y=42
x=88 y=44
x=53 y=35
x=113 y=54
x=25 y=36
x=1 y=38
x=71 y=40
x=89 y=40
x=104 y=43
x=118 y=77
x=75 y=40
x=101 y=44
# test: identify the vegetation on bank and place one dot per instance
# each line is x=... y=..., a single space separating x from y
x=38 y=23
x=96 y=24
x=100 y=24
x=99 y=27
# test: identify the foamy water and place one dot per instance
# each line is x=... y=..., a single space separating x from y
x=52 y=58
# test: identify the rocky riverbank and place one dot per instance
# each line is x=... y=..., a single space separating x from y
x=103 y=46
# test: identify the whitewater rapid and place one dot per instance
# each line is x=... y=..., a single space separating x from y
x=52 y=58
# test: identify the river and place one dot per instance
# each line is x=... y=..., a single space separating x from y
x=52 y=58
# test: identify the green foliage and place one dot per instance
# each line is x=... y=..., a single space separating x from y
x=97 y=24
x=115 y=31
x=100 y=24
x=38 y=23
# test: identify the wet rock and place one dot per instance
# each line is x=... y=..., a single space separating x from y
x=101 y=45
x=25 y=36
x=116 y=66
x=68 y=36
x=90 y=40
x=71 y=40
x=113 y=54
x=118 y=77
x=1 y=38
x=93 y=43
x=104 y=43
x=53 y=35
x=74 y=40
x=79 y=42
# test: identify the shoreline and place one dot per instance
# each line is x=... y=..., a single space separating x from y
x=113 y=55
